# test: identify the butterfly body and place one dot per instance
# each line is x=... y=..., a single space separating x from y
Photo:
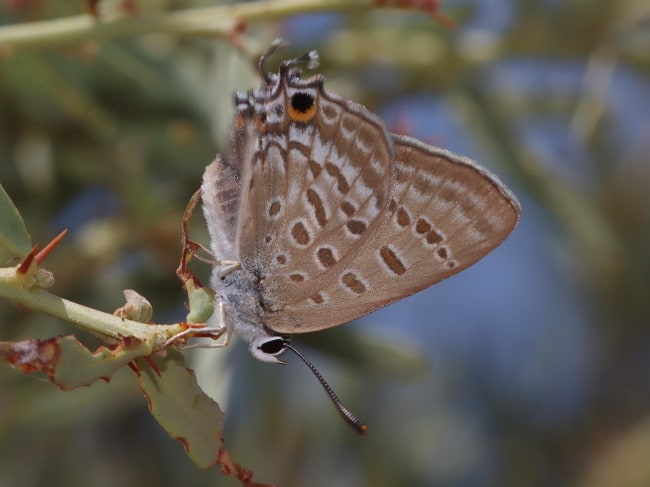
x=327 y=216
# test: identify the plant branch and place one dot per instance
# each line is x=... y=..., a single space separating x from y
x=14 y=288
x=221 y=21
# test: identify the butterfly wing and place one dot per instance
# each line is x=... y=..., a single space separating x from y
x=222 y=187
x=220 y=195
x=445 y=213
x=318 y=181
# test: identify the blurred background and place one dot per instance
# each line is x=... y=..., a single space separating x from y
x=531 y=368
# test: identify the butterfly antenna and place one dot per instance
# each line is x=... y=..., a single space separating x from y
x=311 y=59
x=358 y=425
x=272 y=48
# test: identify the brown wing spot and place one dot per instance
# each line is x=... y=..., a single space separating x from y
x=274 y=209
x=451 y=264
x=329 y=112
x=448 y=194
x=317 y=298
x=356 y=227
x=403 y=218
x=315 y=168
x=467 y=206
x=392 y=205
x=297 y=277
x=319 y=208
x=299 y=234
x=335 y=172
x=442 y=252
x=422 y=226
x=326 y=257
x=433 y=237
x=349 y=123
x=391 y=260
x=421 y=185
x=268 y=238
x=365 y=137
x=281 y=259
x=348 y=208
x=353 y=283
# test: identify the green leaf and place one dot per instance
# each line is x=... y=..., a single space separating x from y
x=67 y=362
x=13 y=233
x=181 y=407
x=137 y=307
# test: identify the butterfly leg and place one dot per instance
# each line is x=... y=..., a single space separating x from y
x=227 y=267
x=213 y=332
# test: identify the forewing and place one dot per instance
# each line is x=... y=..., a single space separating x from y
x=445 y=213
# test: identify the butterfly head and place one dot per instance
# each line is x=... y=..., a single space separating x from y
x=269 y=348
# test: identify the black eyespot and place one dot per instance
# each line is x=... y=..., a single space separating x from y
x=273 y=346
x=301 y=102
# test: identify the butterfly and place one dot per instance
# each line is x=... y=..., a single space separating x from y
x=319 y=215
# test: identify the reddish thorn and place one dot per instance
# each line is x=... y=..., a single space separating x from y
x=27 y=262
x=153 y=365
x=40 y=257
x=134 y=366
